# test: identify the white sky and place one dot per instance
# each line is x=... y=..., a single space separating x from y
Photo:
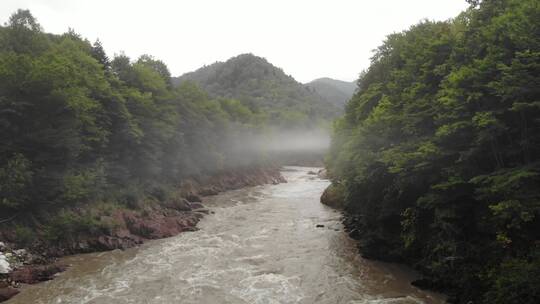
x=307 y=38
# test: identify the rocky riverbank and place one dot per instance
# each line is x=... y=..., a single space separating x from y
x=178 y=214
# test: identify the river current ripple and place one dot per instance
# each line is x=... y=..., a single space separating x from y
x=261 y=245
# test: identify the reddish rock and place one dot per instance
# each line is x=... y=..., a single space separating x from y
x=195 y=187
x=35 y=273
x=196 y=206
x=155 y=224
x=105 y=242
x=193 y=198
x=180 y=204
x=7 y=293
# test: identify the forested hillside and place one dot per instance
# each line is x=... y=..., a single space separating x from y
x=264 y=89
x=334 y=91
x=80 y=129
x=438 y=154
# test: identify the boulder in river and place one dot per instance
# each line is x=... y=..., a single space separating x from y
x=7 y=292
x=35 y=273
x=193 y=198
x=333 y=196
x=180 y=204
x=196 y=206
x=202 y=210
x=323 y=174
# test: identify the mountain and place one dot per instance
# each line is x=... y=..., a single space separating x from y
x=334 y=91
x=264 y=88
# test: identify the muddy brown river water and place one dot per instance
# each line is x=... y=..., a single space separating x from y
x=260 y=246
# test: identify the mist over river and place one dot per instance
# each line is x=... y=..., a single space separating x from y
x=260 y=246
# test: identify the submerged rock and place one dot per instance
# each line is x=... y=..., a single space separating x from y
x=323 y=174
x=193 y=198
x=179 y=204
x=7 y=292
x=202 y=210
x=35 y=273
x=196 y=206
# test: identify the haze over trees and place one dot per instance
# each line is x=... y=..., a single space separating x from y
x=79 y=128
x=438 y=154
x=333 y=91
x=437 y=157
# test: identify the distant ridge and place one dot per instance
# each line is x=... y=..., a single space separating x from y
x=262 y=87
x=336 y=92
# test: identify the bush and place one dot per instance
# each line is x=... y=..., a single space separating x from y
x=83 y=185
x=69 y=226
x=516 y=281
x=24 y=236
x=15 y=180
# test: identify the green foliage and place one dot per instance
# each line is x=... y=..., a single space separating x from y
x=68 y=226
x=439 y=152
x=24 y=235
x=515 y=281
x=16 y=177
x=82 y=186
x=78 y=128
x=264 y=89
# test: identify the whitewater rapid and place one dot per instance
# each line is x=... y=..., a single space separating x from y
x=261 y=245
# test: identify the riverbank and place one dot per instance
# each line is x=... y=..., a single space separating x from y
x=36 y=262
x=369 y=247
x=260 y=244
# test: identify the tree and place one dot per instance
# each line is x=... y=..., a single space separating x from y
x=23 y=19
x=435 y=153
x=99 y=54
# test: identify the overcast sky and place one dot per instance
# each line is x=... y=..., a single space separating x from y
x=307 y=38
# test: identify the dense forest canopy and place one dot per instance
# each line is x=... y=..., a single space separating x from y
x=78 y=127
x=438 y=154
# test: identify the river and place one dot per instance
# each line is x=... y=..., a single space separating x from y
x=261 y=245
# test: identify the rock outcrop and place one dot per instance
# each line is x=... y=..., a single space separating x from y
x=323 y=174
x=192 y=189
x=333 y=196
x=32 y=274
x=6 y=291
